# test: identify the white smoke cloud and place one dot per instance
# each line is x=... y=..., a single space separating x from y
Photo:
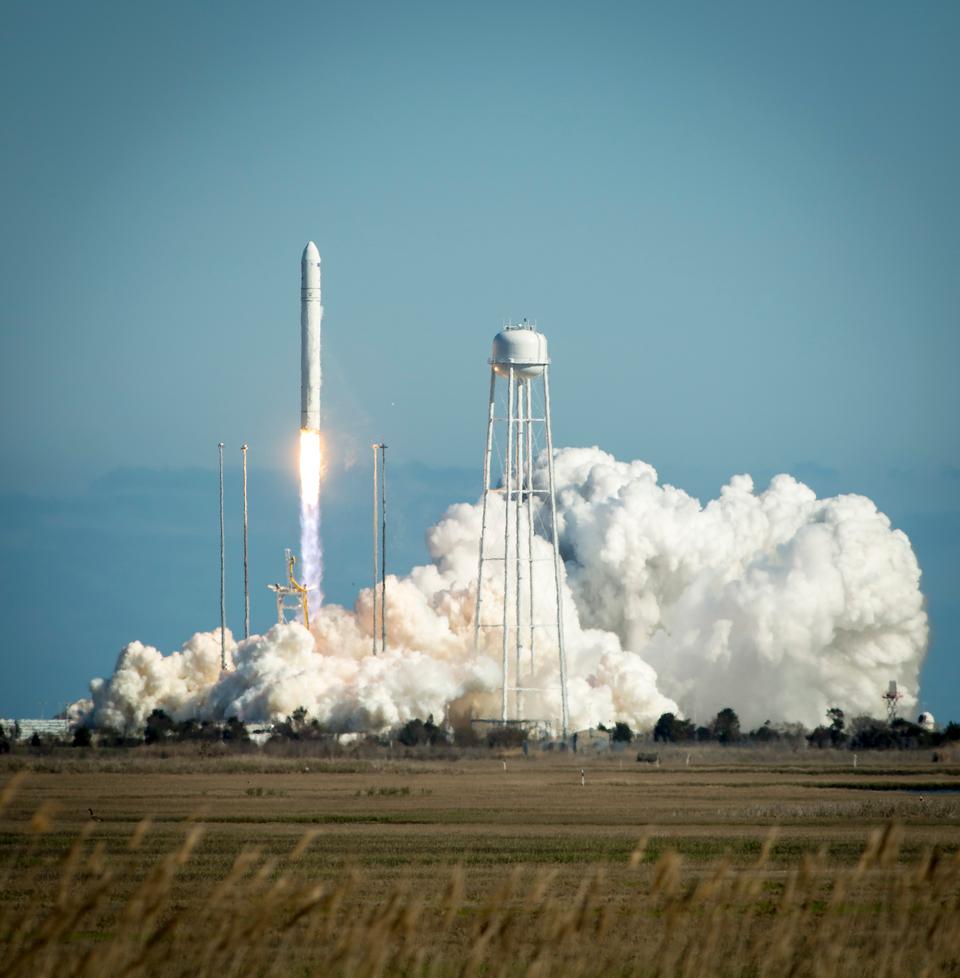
x=775 y=603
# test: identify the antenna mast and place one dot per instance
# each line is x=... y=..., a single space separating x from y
x=376 y=543
x=223 y=599
x=383 y=547
x=246 y=576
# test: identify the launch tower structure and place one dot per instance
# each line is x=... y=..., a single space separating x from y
x=892 y=698
x=520 y=373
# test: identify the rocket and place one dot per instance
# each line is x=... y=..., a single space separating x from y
x=311 y=313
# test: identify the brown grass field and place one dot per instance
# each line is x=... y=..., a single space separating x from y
x=739 y=862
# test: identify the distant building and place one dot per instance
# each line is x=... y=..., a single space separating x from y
x=533 y=729
x=259 y=733
x=591 y=739
x=25 y=729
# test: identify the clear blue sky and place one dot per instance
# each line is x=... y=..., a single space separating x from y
x=738 y=224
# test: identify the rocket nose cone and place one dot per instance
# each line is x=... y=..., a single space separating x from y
x=310 y=268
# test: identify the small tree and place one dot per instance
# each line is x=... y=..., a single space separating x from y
x=820 y=737
x=159 y=727
x=726 y=726
x=870 y=734
x=294 y=727
x=765 y=734
x=683 y=730
x=837 y=724
x=663 y=729
x=82 y=736
x=622 y=734
x=188 y=729
x=435 y=734
x=235 y=732
x=672 y=729
x=412 y=733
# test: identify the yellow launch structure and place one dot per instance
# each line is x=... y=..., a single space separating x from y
x=300 y=589
x=295 y=590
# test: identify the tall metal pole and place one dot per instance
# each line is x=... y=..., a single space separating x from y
x=486 y=490
x=508 y=474
x=246 y=540
x=376 y=546
x=530 y=494
x=564 y=706
x=383 y=548
x=518 y=506
x=223 y=597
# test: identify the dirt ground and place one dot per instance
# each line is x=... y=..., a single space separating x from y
x=414 y=816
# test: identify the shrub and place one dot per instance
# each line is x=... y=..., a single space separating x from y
x=298 y=727
x=765 y=734
x=415 y=732
x=870 y=734
x=82 y=737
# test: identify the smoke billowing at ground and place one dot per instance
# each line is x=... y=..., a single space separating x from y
x=775 y=602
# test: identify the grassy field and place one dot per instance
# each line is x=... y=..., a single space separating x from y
x=732 y=862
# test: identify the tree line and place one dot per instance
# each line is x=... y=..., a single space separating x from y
x=860 y=733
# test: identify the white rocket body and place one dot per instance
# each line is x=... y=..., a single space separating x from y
x=311 y=314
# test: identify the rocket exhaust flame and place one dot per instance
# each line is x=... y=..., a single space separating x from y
x=311 y=466
x=311 y=547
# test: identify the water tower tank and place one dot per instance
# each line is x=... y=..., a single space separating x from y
x=521 y=347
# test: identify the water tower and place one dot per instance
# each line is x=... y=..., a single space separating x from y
x=892 y=697
x=520 y=391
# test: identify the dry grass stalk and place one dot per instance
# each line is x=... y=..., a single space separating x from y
x=881 y=917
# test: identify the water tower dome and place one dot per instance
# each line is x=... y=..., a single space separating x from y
x=522 y=347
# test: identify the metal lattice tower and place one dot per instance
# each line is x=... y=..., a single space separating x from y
x=892 y=697
x=520 y=374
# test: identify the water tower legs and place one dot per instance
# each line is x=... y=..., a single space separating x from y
x=516 y=488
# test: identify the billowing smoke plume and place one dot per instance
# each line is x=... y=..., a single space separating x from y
x=775 y=603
